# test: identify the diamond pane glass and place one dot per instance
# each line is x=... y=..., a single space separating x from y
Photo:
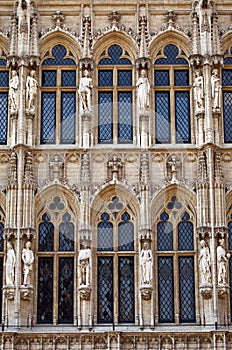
x=2 y=62
x=230 y=234
x=227 y=77
x=1 y=282
x=66 y=237
x=187 y=289
x=65 y=293
x=164 y=236
x=3 y=117
x=227 y=112
x=126 y=234
x=181 y=78
x=48 y=123
x=1 y=238
x=126 y=289
x=182 y=117
x=162 y=78
x=125 y=116
x=185 y=236
x=45 y=290
x=48 y=78
x=105 y=116
x=105 y=290
x=4 y=78
x=171 y=52
x=230 y=266
x=68 y=112
x=124 y=78
x=105 y=78
x=162 y=112
x=46 y=237
x=166 y=289
x=115 y=53
x=105 y=234
x=68 y=78
x=59 y=52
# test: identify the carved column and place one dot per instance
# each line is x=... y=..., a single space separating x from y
x=85 y=297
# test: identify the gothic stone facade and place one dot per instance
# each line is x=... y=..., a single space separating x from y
x=115 y=174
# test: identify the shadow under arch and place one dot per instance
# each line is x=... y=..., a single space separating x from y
x=166 y=194
x=56 y=190
x=54 y=38
x=111 y=38
x=104 y=197
x=170 y=36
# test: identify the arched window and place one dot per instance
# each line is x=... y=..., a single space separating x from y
x=230 y=251
x=227 y=95
x=116 y=266
x=4 y=83
x=58 y=97
x=175 y=269
x=115 y=98
x=172 y=96
x=2 y=220
x=56 y=252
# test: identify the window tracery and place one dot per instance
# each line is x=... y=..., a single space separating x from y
x=58 y=96
x=115 y=118
x=175 y=263
x=172 y=96
x=115 y=237
x=56 y=257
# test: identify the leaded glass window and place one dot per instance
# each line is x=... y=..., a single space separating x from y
x=115 y=99
x=227 y=95
x=1 y=237
x=176 y=256
x=58 y=97
x=4 y=83
x=172 y=96
x=56 y=262
x=115 y=269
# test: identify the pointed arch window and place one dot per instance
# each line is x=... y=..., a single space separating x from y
x=115 y=96
x=4 y=84
x=56 y=257
x=58 y=96
x=227 y=95
x=116 y=266
x=172 y=96
x=175 y=272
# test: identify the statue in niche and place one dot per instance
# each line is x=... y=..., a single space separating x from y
x=146 y=264
x=56 y=166
x=222 y=262
x=10 y=264
x=205 y=262
x=198 y=86
x=13 y=91
x=31 y=91
x=85 y=91
x=27 y=258
x=216 y=89
x=84 y=262
x=143 y=86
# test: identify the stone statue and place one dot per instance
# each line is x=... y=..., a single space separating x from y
x=84 y=266
x=198 y=86
x=31 y=90
x=28 y=258
x=205 y=262
x=222 y=262
x=143 y=90
x=216 y=89
x=13 y=91
x=85 y=91
x=146 y=264
x=10 y=264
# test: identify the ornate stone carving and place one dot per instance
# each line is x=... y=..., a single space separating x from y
x=84 y=90
x=115 y=168
x=13 y=92
x=56 y=166
x=146 y=264
x=58 y=19
x=146 y=292
x=31 y=92
x=26 y=293
x=9 y=293
x=84 y=292
x=12 y=177
x=114 y=19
